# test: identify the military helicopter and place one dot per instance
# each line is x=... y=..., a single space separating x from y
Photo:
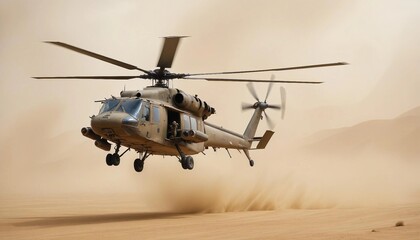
x=160 y=120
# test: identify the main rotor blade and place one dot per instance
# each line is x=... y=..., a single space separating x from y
x=92 y=77
x=98 y=56
x=251 y=89
x=168 y=52
x=248 y=80
x=274 y=69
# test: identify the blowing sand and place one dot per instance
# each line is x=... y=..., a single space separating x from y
x=123 y=217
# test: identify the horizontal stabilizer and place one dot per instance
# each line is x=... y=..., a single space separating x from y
x=263 y=141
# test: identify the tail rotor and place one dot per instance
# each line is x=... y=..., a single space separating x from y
x=264 y=105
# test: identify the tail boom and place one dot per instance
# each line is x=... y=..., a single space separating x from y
x=219 y=137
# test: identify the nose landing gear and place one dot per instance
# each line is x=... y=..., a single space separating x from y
x=114 y=159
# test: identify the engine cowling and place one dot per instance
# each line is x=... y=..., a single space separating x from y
x=193 y=104
x=135 y=93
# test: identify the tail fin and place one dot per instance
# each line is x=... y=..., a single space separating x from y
x=251 y=129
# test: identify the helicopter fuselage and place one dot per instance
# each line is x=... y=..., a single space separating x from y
x=154 y=124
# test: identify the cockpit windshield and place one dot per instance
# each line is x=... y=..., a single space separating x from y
x=109 y=105
x=130 y=106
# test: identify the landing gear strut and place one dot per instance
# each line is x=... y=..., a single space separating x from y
x=187 y=162
x=139 y=162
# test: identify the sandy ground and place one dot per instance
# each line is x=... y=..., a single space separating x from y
x=125 y=218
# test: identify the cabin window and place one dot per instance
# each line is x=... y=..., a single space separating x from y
x=189 y=122
x=156 y=114
x=193 y=123
x=186 y=119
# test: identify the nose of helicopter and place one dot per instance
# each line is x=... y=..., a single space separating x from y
x=112 y=124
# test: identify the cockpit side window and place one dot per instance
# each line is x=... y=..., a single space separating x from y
x=156 y=114
x=146 y=111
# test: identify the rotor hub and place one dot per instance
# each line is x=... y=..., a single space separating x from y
x=262 y=105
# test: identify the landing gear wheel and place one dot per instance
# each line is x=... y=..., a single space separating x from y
x=251 y=163
x=138 y=165
x=183 y=164
x=187 y=163
x=116 y=159
x=109 y=160
x=190 y=163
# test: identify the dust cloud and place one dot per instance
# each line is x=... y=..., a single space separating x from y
x=306 y=176
x=43 y=153
x=298 y=180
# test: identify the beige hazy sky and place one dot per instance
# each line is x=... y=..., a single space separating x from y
x=378 y=38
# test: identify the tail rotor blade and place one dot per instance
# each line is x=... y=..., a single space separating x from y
x=269 y=121
x=252 y=91
x=283 y=101
x=276 y=107
x=270 y=86
x=247 y=106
